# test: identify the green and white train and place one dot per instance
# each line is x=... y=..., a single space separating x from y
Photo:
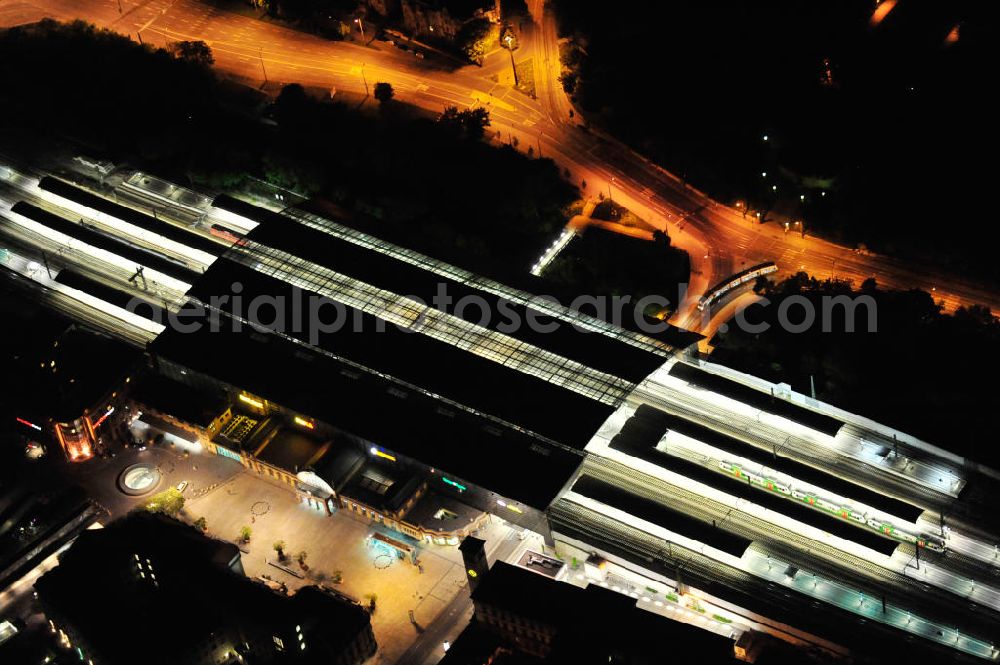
x=809 y=497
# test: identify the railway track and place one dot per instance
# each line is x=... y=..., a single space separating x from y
x=773 y=440
x=787 y=546
x=674 y=561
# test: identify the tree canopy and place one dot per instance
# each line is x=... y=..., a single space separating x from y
x=384 y=92
x=169 y=502
x=902 y=374
x=195 y=52
x=476 y=37
x=433 y=185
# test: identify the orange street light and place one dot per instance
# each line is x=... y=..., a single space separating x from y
x=882 y=10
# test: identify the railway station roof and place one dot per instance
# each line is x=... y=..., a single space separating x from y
x=356 y=252
x=130 y=215
x=94 y=238
x=149 y=308
x=464 y=371
x=756 y=398
x=820 y=519
x=644 y=429
x=507 y=459
x=506 y=408
x=796 y=469
x=661 y=515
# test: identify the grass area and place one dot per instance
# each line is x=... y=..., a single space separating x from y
x=526 y=76
x=610 y=211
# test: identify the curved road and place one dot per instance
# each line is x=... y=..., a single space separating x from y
x=718 y=238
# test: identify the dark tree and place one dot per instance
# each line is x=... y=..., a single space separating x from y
x=470 y=124
x=196 y=52
x=475 y=38
x=384 y=92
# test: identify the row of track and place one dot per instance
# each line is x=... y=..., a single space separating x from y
x=951 y=562
x=786 y=545
x=761 y=597
x=769 y=438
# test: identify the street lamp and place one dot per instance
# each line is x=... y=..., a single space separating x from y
x=362 y=26
x=609 y=189
x=508 y=39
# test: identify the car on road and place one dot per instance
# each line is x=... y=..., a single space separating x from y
x=181 y=486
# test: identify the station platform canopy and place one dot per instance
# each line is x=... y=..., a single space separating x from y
x=756 y=398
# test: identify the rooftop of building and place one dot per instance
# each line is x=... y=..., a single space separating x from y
x=342 y=460
x=62 y=368
x=477 y=644
x=195 y=597
x=177 y=400
x=595 y=621
x=290 y=449
x=384 y=487
x=756 y=398
x=435 y=511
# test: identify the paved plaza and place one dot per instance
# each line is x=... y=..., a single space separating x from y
x=230 y=497
x=333 y=544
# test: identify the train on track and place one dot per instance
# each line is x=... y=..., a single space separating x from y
x=863 y=519
x=227 y=234
x=740 y=278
